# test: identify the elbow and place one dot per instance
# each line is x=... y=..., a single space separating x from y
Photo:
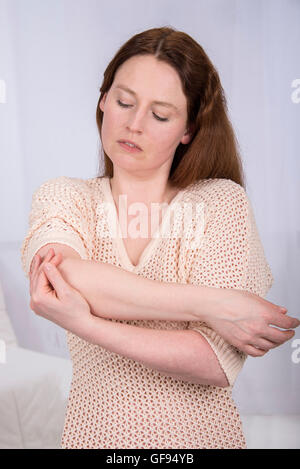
x=220 y=377
x=204 y=364
x=222 y=382
x=210 y=381
x=218 y=381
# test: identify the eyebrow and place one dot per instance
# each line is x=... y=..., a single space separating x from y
x=161 y=103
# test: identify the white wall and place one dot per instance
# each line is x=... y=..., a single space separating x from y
x=52 y=56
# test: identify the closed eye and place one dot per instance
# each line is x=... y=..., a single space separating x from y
x=162 y=119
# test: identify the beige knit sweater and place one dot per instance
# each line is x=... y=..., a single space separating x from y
x=115 y=402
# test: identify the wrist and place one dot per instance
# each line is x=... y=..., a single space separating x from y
x=205 y=302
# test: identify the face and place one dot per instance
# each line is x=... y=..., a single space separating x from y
x=156 y=128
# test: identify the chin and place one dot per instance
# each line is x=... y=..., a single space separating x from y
x=126 y=163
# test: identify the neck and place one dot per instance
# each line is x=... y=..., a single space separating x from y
x=143 y=191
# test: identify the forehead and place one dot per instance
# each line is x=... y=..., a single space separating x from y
x=151 y=78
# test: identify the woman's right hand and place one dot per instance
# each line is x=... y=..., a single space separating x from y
x=244 y=320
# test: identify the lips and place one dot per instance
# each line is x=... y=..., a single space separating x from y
x=129 y=141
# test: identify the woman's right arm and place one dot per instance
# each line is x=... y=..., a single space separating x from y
x=240 y=317
x=115 y=293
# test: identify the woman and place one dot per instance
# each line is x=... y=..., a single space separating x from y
x=159 y=321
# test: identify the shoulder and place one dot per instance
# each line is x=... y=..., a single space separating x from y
x=216 y=187
x=221 y=202
x=217 y=192
x=64 y=186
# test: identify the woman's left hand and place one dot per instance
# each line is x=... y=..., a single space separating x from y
x=54 y=299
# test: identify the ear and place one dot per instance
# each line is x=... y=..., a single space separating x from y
x=102 y=102
x=186 y=138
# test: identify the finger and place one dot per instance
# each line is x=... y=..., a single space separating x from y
x=32 y=266
x=43 y=284
x=56 y=260
x=40 y=281
x=39 y=267
x=264 y=344
x=277 y=336
x=36 y=261
x=56 y=280
x=35 y=264
x=253 y=351
x=284 y=321
x=50 y=254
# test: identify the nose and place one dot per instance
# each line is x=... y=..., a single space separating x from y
x=135 y=122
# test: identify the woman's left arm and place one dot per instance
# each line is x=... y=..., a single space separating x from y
x=173 y=353
x=182 y=354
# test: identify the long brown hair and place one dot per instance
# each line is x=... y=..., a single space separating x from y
x=213 y=150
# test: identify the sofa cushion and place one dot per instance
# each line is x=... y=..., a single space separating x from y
x=6 y=330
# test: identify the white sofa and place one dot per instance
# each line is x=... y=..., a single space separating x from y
x=33 y=396
x=33 y=392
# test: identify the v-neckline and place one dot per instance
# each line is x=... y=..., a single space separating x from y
x=118 y=240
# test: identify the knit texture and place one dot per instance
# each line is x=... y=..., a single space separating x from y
x=116 y=402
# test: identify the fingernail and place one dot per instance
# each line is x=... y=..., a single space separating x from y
x=48 y=266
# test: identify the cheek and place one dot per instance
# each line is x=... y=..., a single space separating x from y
x=109 y=117
x=167 y=138
x=109 y=125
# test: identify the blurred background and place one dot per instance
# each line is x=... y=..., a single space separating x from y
x=52 y=57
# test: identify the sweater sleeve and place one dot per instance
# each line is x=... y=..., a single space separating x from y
x=59 y=214
x=230 y=255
